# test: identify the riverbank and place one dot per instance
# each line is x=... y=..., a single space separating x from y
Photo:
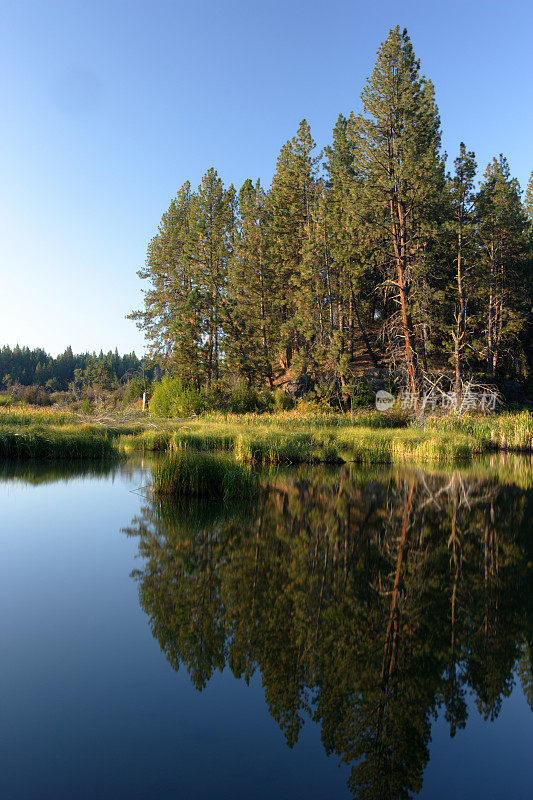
x=291 y=437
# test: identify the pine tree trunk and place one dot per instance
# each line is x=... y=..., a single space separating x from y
x=461 y=317
x=423 y=342
x=490 y=321
x=328 y=281
x=368 y=346
x=209 y=364
x=341 y=322
x=350 y=321
x=397 y=217
x=268 y=365
x=411 y=360
x=215 y=354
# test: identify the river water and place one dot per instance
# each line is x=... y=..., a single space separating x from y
x=351 y=633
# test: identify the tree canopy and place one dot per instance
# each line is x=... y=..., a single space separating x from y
x=366 y=254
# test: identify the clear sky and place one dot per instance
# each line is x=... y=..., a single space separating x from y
x=108 y=107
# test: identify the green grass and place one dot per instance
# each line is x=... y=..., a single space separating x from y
x=511 y=431
x=288 y=437
x=189 y=473
x=31 y=415
x=294 y=442
x=49 y=442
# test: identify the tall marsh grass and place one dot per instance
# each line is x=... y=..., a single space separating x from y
x=60 y=442
x=506 y=431
x=290 y=437
x=31 y=415
x=291 y=443
x=189 y=473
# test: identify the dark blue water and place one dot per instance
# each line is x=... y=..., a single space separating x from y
x=91 y=702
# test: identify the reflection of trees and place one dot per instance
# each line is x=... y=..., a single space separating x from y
x=54 y=471
x=367 y=604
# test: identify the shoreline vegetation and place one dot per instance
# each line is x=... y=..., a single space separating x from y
x=293 y=437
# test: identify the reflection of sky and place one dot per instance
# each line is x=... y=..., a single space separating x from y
x=86 y=690
x=88 y=697
x=485 y=760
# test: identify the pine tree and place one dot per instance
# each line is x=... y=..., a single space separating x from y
x=462 y=209
x=250 y=291
x=528 y=199
x=503 y=260
x=348 y=258
x=170 y=315
x=403 y=175
x=298 y=278
x=209 y=247
x=290 y=204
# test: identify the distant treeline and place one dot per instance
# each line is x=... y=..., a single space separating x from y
x=368 y=253
x=104 y=371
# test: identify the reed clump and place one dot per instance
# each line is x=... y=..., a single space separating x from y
x=190 y=473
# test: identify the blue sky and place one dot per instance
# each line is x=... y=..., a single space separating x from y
x=108 y=107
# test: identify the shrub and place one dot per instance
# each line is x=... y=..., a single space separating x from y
x=188 y=402
x=245 y=400
x=283 y=401
x=164 y=396
x=62 y=398
x=134 y=389
x=361 y=395
x=86 y=406
x=171 y=398
x=32 y=395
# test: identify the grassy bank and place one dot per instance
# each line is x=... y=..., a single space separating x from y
x=291 y=437
x=31 y=441
x=279 y=444
x=369 y=438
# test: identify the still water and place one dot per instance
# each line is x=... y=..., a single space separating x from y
x=351 y=634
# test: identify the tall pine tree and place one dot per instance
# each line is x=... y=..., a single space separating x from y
x=291 y=201
x=250 y=290
x=403 y=175
x=503 y=262
x=462 y=195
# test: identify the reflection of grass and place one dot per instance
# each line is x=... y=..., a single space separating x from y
x=192 y=514
x=503 y=468
x=186 y=472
